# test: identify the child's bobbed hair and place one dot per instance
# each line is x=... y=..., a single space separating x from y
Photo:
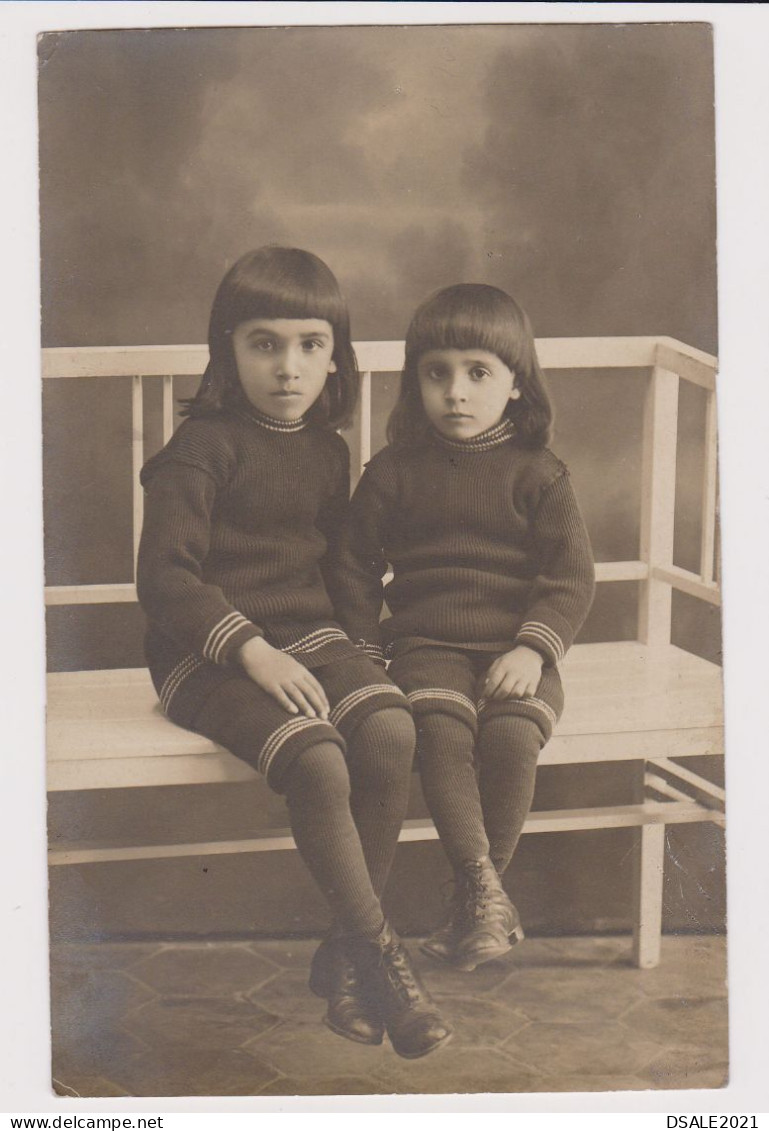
x=277 y=282
x=471 y=316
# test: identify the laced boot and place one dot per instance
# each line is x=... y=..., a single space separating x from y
x=442 y=943
x=491 y=922
x=412 y=1019
x=351 y=1011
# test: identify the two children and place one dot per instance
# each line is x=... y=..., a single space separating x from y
x=256 y=577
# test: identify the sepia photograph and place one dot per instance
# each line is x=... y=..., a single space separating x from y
x=382 y=549
x=418 y=790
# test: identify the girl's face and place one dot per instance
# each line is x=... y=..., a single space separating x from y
x=283 y=363
x=464 y=392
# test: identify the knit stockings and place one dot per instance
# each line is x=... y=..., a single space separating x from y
x=346 y=816
x=507 y=750
x=380 y=754
x=317 y=790
x=484 y=815
x=446 y=766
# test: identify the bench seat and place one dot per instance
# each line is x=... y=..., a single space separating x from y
x=624 y=701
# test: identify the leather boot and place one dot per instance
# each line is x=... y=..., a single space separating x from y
x=442 y=943
x=413 y=1021
x=351 y=1010
x=490 y=922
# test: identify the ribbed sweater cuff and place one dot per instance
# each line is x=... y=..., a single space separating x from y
x=374 y=651
x=544 y=639
x=227 y=636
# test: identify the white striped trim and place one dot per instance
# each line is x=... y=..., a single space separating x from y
x=315 y=640
x=529 y=700
x=344 y=706
x=176 y=677
x=310 y=636
x=279 y=737
x=546 y=634
x=443 y=693
x=374 y=650
x=544 y=707
x=221 y=633
x=491 y=438
x=270 y=422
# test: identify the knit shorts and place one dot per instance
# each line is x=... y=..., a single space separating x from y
x=235 y=712
x=439 y=678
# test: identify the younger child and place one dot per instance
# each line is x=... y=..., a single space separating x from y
x=492 y=578
x=241 y=507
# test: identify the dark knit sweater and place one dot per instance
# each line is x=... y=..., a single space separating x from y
x=238 y=513
x=486 y=542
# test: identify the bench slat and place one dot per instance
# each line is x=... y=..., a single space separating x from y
x=135 y=769
x=418 y=829
x=624 y=701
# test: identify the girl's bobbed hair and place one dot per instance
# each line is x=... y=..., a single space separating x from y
x=471 y=316
x=277 y=282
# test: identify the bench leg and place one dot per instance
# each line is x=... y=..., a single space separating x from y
x=647 y=894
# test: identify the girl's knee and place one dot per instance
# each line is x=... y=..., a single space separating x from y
x=393 y=725
x=320 y=771
x=381 y=752
x=438 y=726
x=512 y=734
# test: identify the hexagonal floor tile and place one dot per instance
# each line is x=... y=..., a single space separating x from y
x=571 y=996
x=288 y=996
x=571 y=1050
x=441 y=978
x=202 y=1023
x=675 y=1020
x=79 y=995
x=204 y=971
x=587 y=950
x=194 y=1072
x=289 y=954
x=480 y=1021
x=95 y=1052
x=695 y=967
x=688 y=1068
x=589 y=1083
x=325 y=1086
x=99 y=956
x=457 y=1068
x=296 y=1049
x=77 y=1086
x=87 y=1010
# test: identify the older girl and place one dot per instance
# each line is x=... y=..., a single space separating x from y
x=241 y=507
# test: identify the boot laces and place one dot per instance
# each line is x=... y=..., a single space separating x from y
x=401 y=977
x=479 y=897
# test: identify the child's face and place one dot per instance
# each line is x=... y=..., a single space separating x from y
x=283 y=363
x=464 y=392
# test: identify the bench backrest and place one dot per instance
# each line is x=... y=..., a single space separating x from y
x=663 y=360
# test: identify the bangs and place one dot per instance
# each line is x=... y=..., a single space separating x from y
x=270 y=283
x=473 y=316
x=469 y=316
x=279 y=282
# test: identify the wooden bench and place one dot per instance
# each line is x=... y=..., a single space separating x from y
x=645 y=701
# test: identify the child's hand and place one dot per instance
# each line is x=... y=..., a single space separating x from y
x=513 y=675
x=284 y=678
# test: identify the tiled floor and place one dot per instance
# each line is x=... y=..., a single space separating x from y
x=237 y=1019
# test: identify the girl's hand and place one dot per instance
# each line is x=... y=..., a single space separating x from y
x=513 y=675
x=284 y=678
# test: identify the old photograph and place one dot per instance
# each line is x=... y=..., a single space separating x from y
x=382 y=560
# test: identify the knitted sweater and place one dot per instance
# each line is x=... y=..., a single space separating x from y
x=486 y=542
x=239 y=510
